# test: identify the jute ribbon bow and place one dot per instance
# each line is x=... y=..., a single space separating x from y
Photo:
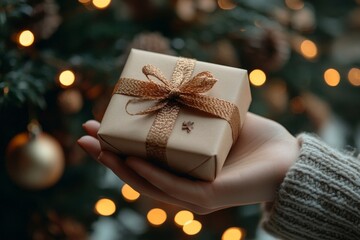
x=170 y=96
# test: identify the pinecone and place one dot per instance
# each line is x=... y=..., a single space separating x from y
x=223 y=52
x=150 y=41
x=153 y=42
x=269 y=50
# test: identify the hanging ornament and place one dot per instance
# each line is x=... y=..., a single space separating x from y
x=276 y=96
x=186 y=10
x=46 y=18
x=304 y=20
x=70 y=101
x=282 y=15
x=34 y=159
x=206 y=5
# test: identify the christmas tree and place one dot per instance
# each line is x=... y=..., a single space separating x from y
x=59 y=61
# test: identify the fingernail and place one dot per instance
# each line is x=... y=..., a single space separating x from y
x=100 y=156
x=84 y=124
x=80 y=143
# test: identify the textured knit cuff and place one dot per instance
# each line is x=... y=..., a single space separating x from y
x=319 y=198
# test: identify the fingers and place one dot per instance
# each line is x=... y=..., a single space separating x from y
x=128 y=175
x=91 y=145
x=194 y=192
x=146 y=178
x=91 y=127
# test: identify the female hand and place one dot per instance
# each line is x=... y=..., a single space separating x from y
x=252 y=172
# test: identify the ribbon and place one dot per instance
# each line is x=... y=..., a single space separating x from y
x=170 y=95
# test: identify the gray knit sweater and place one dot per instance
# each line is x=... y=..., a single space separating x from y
x=319 y=198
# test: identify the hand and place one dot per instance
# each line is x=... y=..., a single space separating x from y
x=253 y=171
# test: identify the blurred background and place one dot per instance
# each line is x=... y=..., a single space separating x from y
x=59 y=61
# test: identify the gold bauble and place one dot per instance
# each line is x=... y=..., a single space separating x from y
x=70 y=101
x=34 y=161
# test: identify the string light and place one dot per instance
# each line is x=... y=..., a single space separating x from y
x=226 y=4
x=332 y=77
x=67 y=78
x=101 y=4
x=308 y=49
x=129 y=193
x=294 y=4
x=354 y=76
x=233 y=233
x=192 y=227
x=105 y=207
x=26 y=38
x=156 y=216
x=257 y=77
x=182 y=217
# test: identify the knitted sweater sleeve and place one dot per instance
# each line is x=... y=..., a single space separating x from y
x=319 y=198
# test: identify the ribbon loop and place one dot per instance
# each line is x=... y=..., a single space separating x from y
x=180 y=90
x=201 y=83
x=151 y=70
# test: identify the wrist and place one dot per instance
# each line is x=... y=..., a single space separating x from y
x=290 y=153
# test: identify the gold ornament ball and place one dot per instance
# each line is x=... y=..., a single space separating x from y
x=70 y=101
x=34 y=161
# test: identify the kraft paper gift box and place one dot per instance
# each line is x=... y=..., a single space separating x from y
x=198 y=142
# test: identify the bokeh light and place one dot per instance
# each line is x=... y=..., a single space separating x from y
x=101 y=4
x=233 y=233
x=105 y=207
x=66 y=78
x=226 y=4
x=308 y=49
x=129 y=193
x=6 y=90
x=26 y=38
x=332 y=77
x=294 y=4
x=354 y=76
x=156 y=216
x=257 y=77
x=84 y=1
x=207 y=5
x=183 y=217
x=192 y=227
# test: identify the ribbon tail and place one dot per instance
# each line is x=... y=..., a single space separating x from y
x=216 y=107
x=160 y=131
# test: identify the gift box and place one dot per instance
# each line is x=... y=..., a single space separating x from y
x=177 y=112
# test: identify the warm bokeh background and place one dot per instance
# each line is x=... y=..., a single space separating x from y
x=60 y=59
